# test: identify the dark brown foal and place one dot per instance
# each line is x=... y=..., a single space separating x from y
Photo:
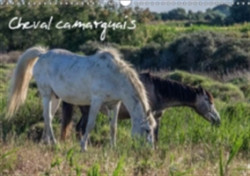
x=162 y=93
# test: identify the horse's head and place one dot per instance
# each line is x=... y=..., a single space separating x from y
x=204 y=105
x=148 y=127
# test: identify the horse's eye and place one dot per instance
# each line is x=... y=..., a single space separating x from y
x=209 y=101
x=147 y=131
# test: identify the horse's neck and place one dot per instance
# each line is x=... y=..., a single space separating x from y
x=163 y=101
x=136 y=112
x=176 y=103
x=134 y=107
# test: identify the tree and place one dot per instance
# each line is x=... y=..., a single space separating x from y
x=223 y=8
x=176 y=14
x=240 y=13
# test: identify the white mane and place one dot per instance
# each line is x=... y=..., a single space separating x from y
x=127 y=69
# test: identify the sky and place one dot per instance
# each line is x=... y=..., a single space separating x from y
x=157 y=6
x=194 y=5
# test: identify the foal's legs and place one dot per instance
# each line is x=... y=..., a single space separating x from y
x=113 y=123
x=82 y=124
x=67 y=112
x=157 y=116
x=94 y=109
x=156 y=130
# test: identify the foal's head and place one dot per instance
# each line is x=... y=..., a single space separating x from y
x=204 y=105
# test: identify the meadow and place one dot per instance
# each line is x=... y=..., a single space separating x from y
x=168 y=31
x=188 y=145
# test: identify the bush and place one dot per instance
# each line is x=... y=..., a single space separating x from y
x=209 y=51
x=198 y=51
x=223 y=91
x=10 y=57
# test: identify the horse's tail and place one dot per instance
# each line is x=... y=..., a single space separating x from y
x=21 y=78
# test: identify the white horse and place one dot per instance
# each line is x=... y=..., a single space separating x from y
x=94 y=80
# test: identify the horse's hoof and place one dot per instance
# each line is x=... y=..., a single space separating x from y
x=113 y=145
x=83 y=149
x=46 y=142
x=49 y=142
x=54 y=142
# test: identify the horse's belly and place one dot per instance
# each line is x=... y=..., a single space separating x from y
x=70 y=94
x=77 y=100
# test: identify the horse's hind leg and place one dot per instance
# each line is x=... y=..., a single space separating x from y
x=67 y=112
x=47 y=115
x=94 y=109
x=113 y=123
x=55 y=105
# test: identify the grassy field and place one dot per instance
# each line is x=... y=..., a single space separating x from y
x=168 y=31
x=188 y=145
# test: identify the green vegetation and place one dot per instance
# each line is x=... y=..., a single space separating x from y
x=145 y=33
x=240 y=13
x=193 y=49
x=206 y=48
x=188 y=145
x=152 y=45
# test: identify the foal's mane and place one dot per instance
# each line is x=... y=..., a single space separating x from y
x=127 y=69
x=173 y=89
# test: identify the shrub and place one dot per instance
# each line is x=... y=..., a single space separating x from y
x=223 y=91
x=209 y=51
x=10 y=57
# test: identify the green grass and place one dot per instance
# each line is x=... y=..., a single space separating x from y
x=188 y=145
x=169 y=31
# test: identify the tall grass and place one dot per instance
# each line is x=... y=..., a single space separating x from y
x=188 y=145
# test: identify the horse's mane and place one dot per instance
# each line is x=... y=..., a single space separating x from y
x=127 y=69
x=173 y=89
x=210 y=96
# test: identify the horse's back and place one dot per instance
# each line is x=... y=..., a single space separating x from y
x=75 y=78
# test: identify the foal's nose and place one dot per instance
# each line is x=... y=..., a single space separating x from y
x=216 y=120
x=217 y=123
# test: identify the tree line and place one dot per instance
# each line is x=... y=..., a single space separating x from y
x=220 y=15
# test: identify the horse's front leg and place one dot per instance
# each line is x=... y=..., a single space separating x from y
x=113 y=123
x=94 y=109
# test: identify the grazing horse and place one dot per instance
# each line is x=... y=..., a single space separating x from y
x=162 y=93
x=102 y=78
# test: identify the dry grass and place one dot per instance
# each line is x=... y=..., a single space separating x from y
x=37 y=159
